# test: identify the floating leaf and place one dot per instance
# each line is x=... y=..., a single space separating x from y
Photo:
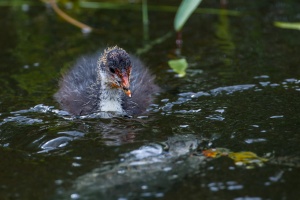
x=245 y=158
x=179 y=66
x=288 y=25
x=184 y=11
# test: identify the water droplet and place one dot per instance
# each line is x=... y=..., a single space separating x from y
x=75 y=196
x=276 y=116
x=183 y=126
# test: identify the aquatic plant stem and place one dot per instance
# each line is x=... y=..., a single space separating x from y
x=69 y=19
x=145 y=20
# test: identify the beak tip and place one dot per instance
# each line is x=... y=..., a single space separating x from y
x=127 y=92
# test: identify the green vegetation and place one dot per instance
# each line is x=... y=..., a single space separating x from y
x=186 y=8
x=286 y=25
x=183 y=12
x=179 y=66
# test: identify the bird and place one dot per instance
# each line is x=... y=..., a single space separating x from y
x=108 y=81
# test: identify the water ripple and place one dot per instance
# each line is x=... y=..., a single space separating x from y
x=226 y=90
x=21 y=120
x=60 y=141
x=231 y=89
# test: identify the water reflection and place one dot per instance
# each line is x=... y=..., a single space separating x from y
x=224 y=39
x=145 y=172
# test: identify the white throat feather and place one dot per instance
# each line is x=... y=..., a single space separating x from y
x=110 y=99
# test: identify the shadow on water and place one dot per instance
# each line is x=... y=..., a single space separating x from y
x=240 y=93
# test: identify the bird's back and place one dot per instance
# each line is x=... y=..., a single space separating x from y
x=79 y=88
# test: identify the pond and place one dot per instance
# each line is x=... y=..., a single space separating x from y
x=228 y=129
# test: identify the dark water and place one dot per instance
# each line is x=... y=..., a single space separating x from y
x=241 y=92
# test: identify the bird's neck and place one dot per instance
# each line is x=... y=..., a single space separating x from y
x=110 y=98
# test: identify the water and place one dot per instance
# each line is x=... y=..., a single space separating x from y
x=241 y=93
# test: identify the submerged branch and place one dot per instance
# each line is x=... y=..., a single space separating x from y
x=137 y=7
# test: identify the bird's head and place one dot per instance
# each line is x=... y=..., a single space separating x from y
x=115 y=65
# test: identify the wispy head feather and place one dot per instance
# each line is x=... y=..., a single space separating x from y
x=103 y=57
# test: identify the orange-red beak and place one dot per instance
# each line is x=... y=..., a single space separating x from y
x=125 y=85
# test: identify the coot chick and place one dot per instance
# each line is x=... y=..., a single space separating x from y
x=109 y=81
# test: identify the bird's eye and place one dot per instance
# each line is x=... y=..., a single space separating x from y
x=112 y=70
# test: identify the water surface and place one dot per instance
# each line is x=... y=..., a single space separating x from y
x=241 y=92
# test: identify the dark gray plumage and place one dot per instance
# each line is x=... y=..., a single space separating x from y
x=82 y=89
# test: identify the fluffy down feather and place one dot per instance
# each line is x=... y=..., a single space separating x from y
x=80 y=89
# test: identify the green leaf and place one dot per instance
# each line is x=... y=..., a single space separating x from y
x=288 y=25
x=184 y=11
x=179 y=66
